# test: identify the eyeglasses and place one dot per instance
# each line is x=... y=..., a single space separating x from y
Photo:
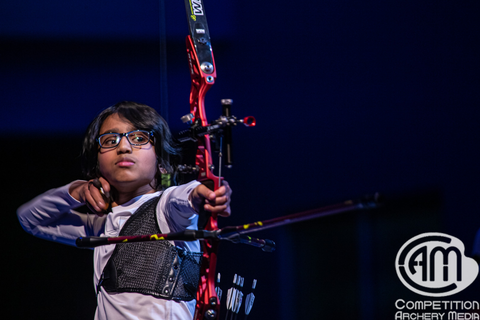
x=135 y=138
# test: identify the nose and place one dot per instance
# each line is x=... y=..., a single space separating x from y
x=124 y=146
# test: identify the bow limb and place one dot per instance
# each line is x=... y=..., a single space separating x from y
x=203 y=74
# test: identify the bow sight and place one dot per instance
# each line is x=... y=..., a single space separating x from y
x=220 y=131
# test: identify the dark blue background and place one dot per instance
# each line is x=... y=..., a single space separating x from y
x=350 y=97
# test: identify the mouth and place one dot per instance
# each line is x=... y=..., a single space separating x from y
x=125 y=162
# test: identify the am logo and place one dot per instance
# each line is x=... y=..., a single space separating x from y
x=434 y=264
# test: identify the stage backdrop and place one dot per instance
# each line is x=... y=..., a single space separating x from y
x=350 y=98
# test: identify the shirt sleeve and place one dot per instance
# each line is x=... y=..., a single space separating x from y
x=52 y=216
x=177 y=208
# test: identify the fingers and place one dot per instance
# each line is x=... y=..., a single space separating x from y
x=97 y=195
x=204 y=193
x=217 y=201
x=103 y=186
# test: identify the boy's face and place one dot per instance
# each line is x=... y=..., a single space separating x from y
x=127 y=168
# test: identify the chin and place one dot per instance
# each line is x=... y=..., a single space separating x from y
x=132 y=184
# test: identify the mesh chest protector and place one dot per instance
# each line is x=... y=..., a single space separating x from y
x=155 y=268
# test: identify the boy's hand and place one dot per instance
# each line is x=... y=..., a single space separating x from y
x=94 y=193
x=217 y=201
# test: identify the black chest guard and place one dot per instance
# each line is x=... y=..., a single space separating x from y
x=155 y=268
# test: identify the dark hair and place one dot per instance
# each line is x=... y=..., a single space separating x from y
x=142 y=117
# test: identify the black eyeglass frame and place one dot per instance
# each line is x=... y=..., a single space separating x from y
x=121 y=135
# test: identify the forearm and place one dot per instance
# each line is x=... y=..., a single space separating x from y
x=49 y=216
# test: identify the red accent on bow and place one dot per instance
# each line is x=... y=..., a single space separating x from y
x=207 y=300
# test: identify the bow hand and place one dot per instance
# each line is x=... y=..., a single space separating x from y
x=217 y=201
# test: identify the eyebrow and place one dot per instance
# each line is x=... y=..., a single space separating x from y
x=115 y=130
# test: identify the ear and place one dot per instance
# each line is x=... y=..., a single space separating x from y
x=162 y=169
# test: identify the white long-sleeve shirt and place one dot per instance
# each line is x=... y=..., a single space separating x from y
x=52 y=216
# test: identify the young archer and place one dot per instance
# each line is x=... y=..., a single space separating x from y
x=125 y=150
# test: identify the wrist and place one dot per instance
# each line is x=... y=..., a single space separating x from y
x=192 y=199
x=74 y=190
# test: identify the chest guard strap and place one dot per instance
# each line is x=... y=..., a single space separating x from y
x=155 y=268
